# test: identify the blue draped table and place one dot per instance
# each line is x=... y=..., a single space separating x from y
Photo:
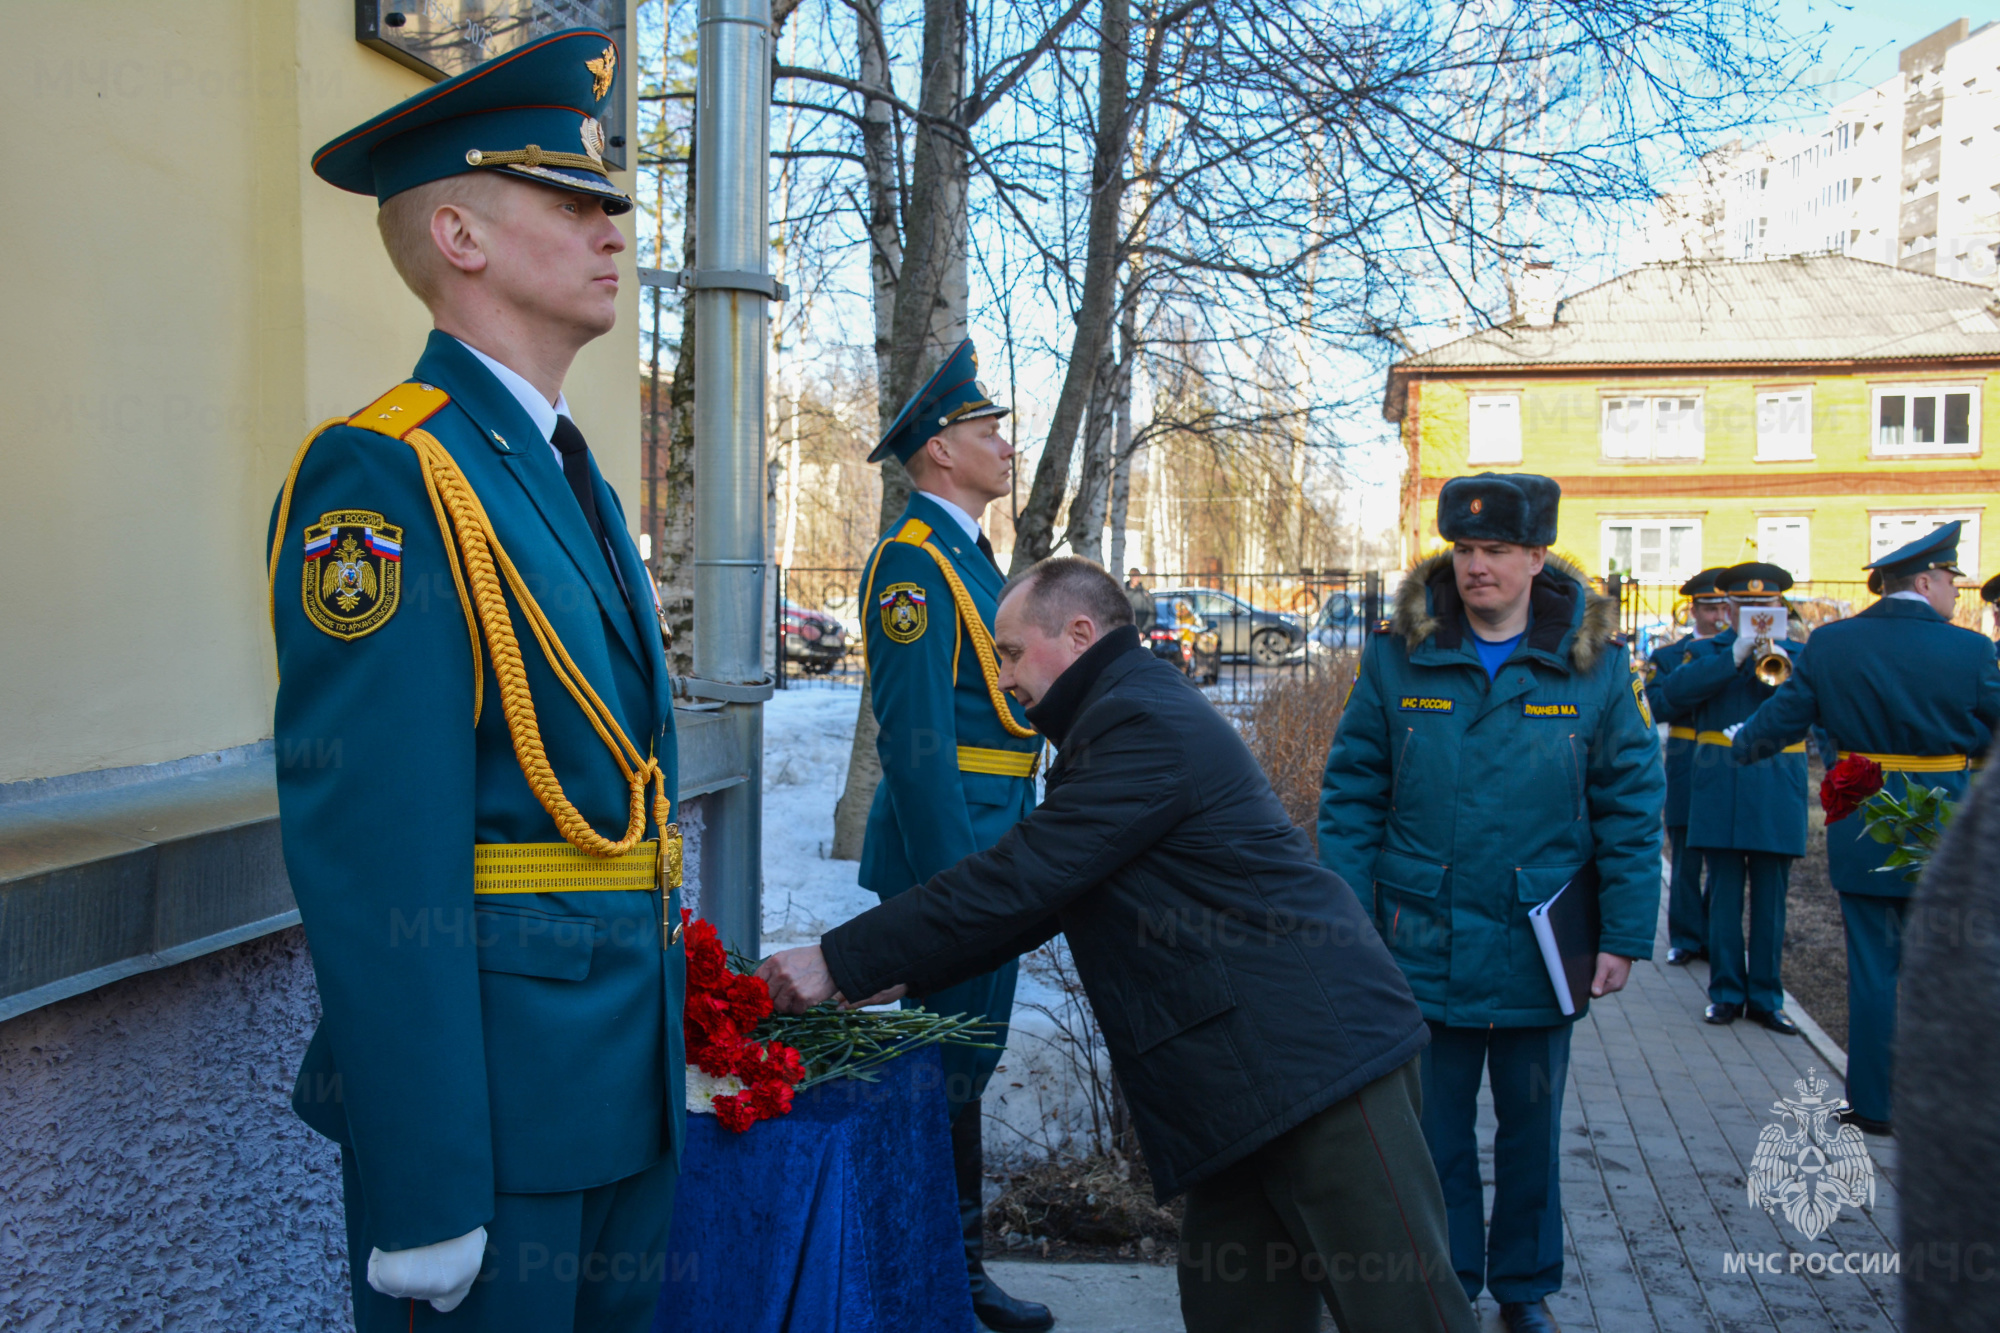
x=841 y=1217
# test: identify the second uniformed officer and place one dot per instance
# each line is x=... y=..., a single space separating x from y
x=958 y=756
x=1495 y=744
x=1747 y=823
x=1920 y=696
x=486 y=866
x=1687 y=900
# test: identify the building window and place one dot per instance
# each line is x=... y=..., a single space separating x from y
x=1786 y=540
x=1652 y=428
x=1887 y=531
x=1784 y=425
x=1495 y=435
x=1652 y=550
x=1919 y=419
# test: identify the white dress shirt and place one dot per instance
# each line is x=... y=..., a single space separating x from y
x=530 y=398
x=965 y=520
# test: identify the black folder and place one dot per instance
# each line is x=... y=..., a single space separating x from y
x=1568 y=927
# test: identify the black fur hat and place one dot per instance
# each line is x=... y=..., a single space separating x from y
x=1517 y=507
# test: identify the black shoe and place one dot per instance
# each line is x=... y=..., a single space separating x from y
x=1682 y=957
x=1527 y=1317
x=1722 y=1012
x=990 y=1305
x=1861 y=1122
x=1774 y=1019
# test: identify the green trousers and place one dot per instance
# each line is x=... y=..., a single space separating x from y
x=587 y=1261
x=1344 y=1209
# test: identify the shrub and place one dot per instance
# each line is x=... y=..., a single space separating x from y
x=1290 y=729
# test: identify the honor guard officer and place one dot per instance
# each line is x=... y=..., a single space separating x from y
x=1748 y=824
x=1920 y=696
x=1687 y=901
x=958 y=756
x=487 y=874
x=1497 y=742
x=1989 y=593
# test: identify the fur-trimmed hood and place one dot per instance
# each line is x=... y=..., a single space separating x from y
x=1429 y=592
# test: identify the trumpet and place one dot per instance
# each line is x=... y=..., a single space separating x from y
x=1773 y=668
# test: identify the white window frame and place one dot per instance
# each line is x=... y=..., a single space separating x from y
x=1798 y=566
x=1493 y=428
x=1880 y=447
x=1891 y=528
x=1643 y=437
x=1777 y=409
x=1667 y=569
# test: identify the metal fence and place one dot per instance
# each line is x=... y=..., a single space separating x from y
x=1229 y=631
x=1655 y=613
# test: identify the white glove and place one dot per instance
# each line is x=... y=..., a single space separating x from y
x=1731 y=730
x=440 y=1273
x=1741 y=652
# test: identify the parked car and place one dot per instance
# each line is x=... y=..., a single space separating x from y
x=1337 y=624
x=1265 y=637
x=813 y=639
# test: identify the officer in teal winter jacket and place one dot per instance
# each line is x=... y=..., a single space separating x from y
x=1920 y=696
x=958 y=756
x=1747 y=823
x=1496 y=742
x=1687 y=900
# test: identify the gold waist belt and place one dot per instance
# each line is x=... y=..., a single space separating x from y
x=1004 y=763
x=1918 y=763
x=1721 y=738
x=557 y=867
x=1681 y=733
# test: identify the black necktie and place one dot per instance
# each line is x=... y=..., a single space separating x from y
x=569 y=442
x=986 y=549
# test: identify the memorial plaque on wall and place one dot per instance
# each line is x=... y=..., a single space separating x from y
x=440 y=38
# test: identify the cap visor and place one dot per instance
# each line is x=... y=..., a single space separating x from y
x=580 y=181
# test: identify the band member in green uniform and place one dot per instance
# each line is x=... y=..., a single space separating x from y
x=1748 y=823
x=1920 y=696
x=1687 y=900
x=958 y=756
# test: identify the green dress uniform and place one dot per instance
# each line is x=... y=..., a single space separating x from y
x=1453 y=802
x=958 y=757
x=1687 y=900
x=476 y=781
x=1749 y=823
x=1921 y=696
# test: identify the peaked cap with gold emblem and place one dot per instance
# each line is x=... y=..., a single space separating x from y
x=952 y=394
x=531 y=113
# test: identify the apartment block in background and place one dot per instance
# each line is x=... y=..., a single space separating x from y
x=1906 y=173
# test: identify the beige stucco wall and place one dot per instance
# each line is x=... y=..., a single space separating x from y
x=181 y=299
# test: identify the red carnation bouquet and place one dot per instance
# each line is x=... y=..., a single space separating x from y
x=745 y=1062
x=723 y=1009
x=1848 y=785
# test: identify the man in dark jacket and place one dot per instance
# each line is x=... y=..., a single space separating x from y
x=1495 y=744
x=1264 y=1039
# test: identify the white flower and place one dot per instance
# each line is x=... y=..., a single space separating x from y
x=703 y=1089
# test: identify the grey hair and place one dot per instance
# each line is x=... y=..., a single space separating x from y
x=1066 y=586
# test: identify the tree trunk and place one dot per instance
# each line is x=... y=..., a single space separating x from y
x=675 y=566
x=920 y=297
x=1121 y=472
x=1035 y=529
x=1085 y=533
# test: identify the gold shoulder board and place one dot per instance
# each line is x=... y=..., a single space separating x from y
x=401 y=410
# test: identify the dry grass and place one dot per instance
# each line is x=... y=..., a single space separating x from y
x=1077 y=1207
x=1290 y=729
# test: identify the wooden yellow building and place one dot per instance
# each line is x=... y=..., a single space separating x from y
x=1812 y=412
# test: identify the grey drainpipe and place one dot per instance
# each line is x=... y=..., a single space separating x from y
x=730 y=284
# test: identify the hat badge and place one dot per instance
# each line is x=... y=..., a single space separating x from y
x=601 y=71
x=1756 y=585
x=593 y=139
x=1477 y=504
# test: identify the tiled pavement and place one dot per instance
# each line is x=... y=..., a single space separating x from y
x=1660 y=1120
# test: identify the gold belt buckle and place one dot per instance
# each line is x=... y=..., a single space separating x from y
x=668 y=870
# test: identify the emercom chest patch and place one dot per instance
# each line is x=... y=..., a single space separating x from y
x=1532 y=709
x=1421 y=703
